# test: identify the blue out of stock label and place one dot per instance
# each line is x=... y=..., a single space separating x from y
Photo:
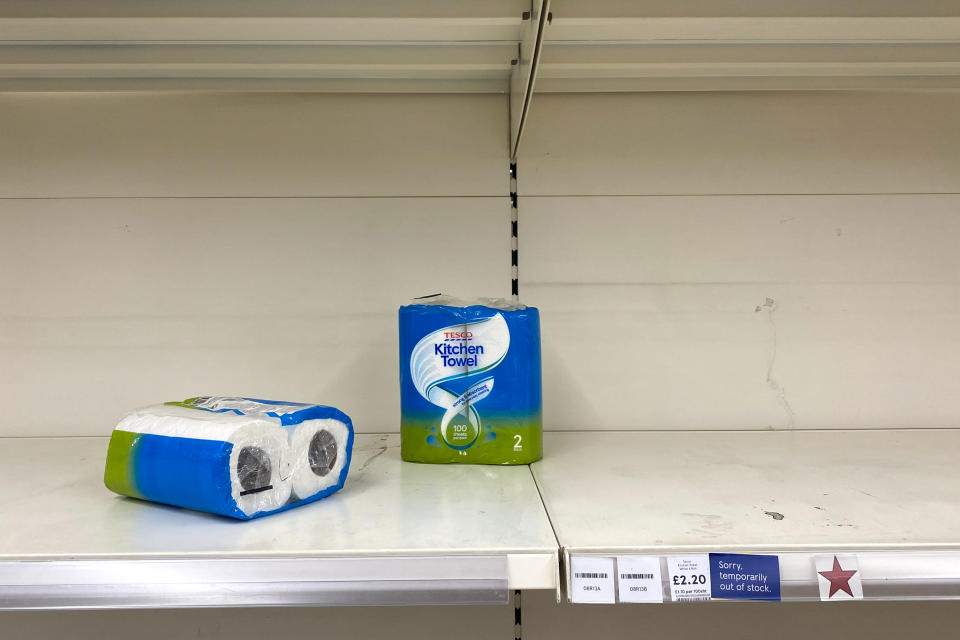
x=744 y=577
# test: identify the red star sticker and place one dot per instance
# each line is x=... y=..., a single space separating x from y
x=839 y=578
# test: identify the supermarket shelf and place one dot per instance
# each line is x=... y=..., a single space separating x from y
x=431 y=46
x=377 y=46
x=625 y=53
x=398 y=533
x=889 y=497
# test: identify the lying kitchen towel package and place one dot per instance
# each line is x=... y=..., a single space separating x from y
x=237 y=457
x=470 y=382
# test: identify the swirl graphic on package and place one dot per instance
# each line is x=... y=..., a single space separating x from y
x=454 y=353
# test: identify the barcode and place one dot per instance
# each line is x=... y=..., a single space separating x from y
x=590 y=575
x=636 y=576
x=692 y=598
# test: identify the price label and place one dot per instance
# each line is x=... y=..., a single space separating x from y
x=638 y=579
x=689 y=578
x=591 y=580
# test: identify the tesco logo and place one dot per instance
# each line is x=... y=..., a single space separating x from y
x=458 y=335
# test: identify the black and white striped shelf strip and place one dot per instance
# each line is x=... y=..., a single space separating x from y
x=514 y=271
x=517 y=617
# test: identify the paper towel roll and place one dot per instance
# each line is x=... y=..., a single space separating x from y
x=318 y=455
x=210 y=461
x=257 y=460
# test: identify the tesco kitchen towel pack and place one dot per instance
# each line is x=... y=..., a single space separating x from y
x=470 y=386
x=237 y=457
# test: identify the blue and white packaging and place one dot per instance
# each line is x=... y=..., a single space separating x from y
x=238 y=457
x=470 y=386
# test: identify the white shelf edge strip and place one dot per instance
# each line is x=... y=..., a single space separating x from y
x=304 y=84
x=255 y=70
x=304 y=29
x=746 y=83
x=886 y=575
x=745 y=69
x=811 y=30
x=100 y=584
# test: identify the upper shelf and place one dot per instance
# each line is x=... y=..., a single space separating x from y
x=432 y=46
x=888 y=496
x=289 y=45
x=397 y=533
x=749 y=53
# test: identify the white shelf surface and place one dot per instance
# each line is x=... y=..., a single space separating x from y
x=890 y=497
x=398 y=533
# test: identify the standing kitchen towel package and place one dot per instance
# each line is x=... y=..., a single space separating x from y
x=470 y=382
